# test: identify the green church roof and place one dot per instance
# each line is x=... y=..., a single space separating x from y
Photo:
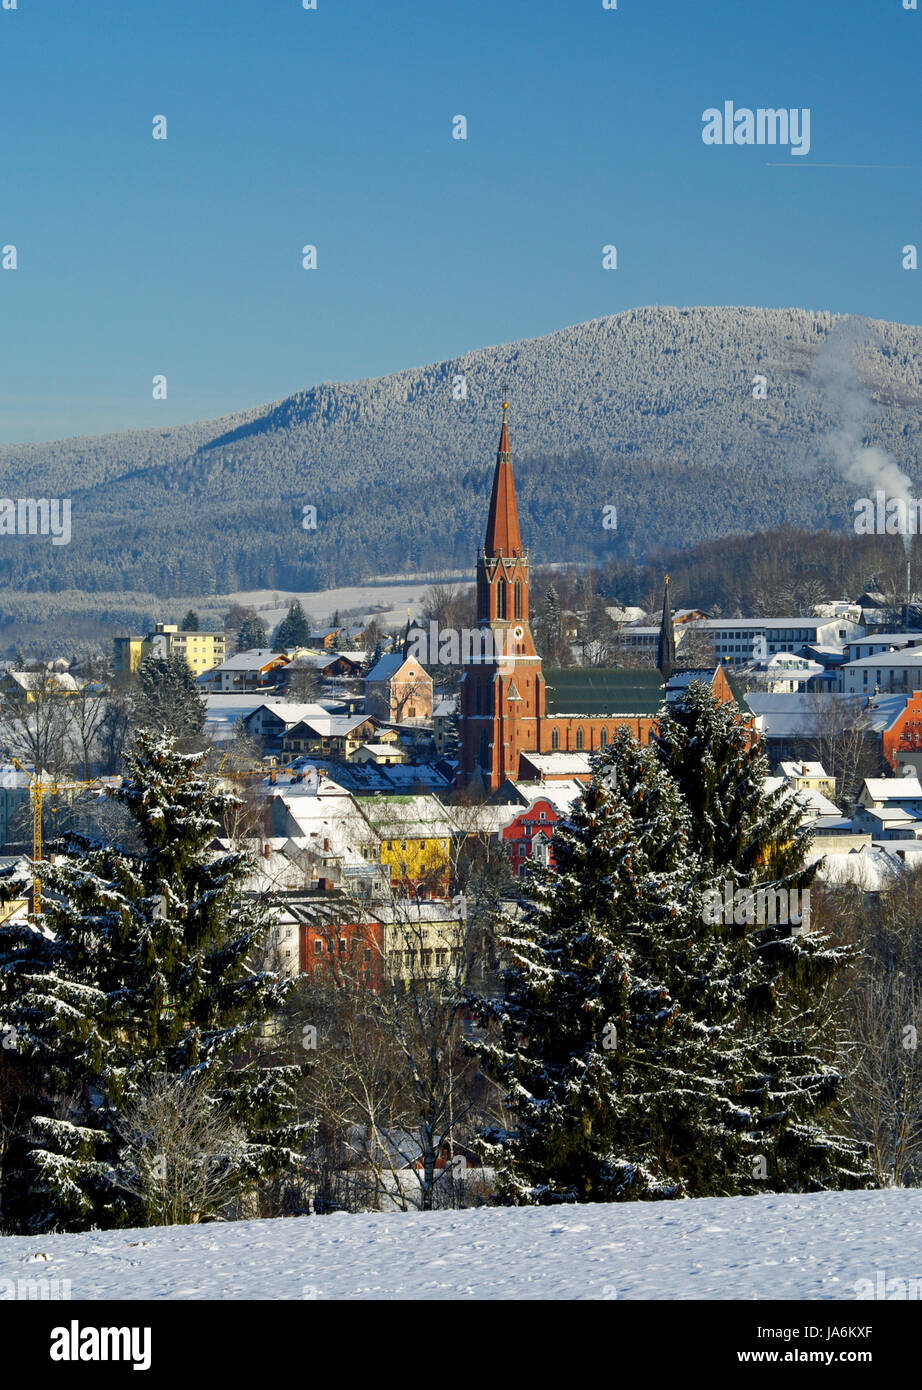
x=577 y=690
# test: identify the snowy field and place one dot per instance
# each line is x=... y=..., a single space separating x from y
x=788 y=1247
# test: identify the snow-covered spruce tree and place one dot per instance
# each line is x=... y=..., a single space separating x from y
x=140 y=970
x=616 y=1088
x=169 y=701
x=748 y=838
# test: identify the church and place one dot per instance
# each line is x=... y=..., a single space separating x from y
x=515 y=718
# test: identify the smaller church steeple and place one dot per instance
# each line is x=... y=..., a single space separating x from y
x=665 y=651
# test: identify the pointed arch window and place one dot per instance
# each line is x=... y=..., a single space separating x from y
x=517 y=599
x=555 y=738
x=501 y=599
x=603 y=739
x=579 y=738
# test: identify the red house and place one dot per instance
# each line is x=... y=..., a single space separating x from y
x=905 y=733
x=529 y=836
x=343 y=951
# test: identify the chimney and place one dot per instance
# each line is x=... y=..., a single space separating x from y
x=267 y=850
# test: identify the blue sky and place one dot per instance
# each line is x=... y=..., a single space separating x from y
x=334 y=127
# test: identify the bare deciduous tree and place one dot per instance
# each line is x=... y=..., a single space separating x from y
x=843 y=741
x=181 y=1156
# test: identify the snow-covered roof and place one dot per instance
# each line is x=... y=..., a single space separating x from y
x=562 y=794
x=30 y=679
x=397 y=816
x=559 y=764
x=329 y=816
x=891 y=816
x=802 y=769
x=253 y=660
x=909 y=656
x=894 y=789
x=812 y=802
x=397 y=778
x=333 y=725
x=386 y=666
x=873 y=868
x=290 y=712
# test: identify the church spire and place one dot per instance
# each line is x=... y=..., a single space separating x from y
x=503 y=536
x=665 y=651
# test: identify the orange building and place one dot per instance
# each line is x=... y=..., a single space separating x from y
x=905 y=733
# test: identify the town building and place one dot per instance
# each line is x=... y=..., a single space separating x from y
x=398 y=688
x=254 y=670
x=528 y=838
x=201 y=650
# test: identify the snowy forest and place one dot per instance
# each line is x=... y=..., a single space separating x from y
x=652 y=411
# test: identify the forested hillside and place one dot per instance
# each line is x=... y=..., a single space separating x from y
x=651 y=411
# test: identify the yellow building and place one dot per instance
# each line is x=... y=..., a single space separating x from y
x=202 y=650
x=415 y=838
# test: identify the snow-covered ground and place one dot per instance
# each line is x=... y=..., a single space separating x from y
x=792 y=1247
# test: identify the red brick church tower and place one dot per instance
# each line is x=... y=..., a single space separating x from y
x=518 y=722
x=502 y=693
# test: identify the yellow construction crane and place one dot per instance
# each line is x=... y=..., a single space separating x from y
x=38 y=791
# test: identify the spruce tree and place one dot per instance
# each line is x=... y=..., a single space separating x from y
x=190 y=622
x=617 y=1089
x=751 y=846
x=252 y=636
x=141 y=970
x=168 y=700
x=293 y=630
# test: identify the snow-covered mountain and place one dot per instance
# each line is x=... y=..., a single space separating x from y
x=654 y=410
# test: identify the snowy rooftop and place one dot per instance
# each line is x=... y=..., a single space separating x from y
x=562 y=794
x=799 y=769
x=559 y=764
x=893 y=788
x=253 y=660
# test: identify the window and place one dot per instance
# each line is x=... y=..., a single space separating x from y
x=603 y=739
x=501 y=599
x=318 y=948
x=555 y=738
x=517 y=602
x=579 y=738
